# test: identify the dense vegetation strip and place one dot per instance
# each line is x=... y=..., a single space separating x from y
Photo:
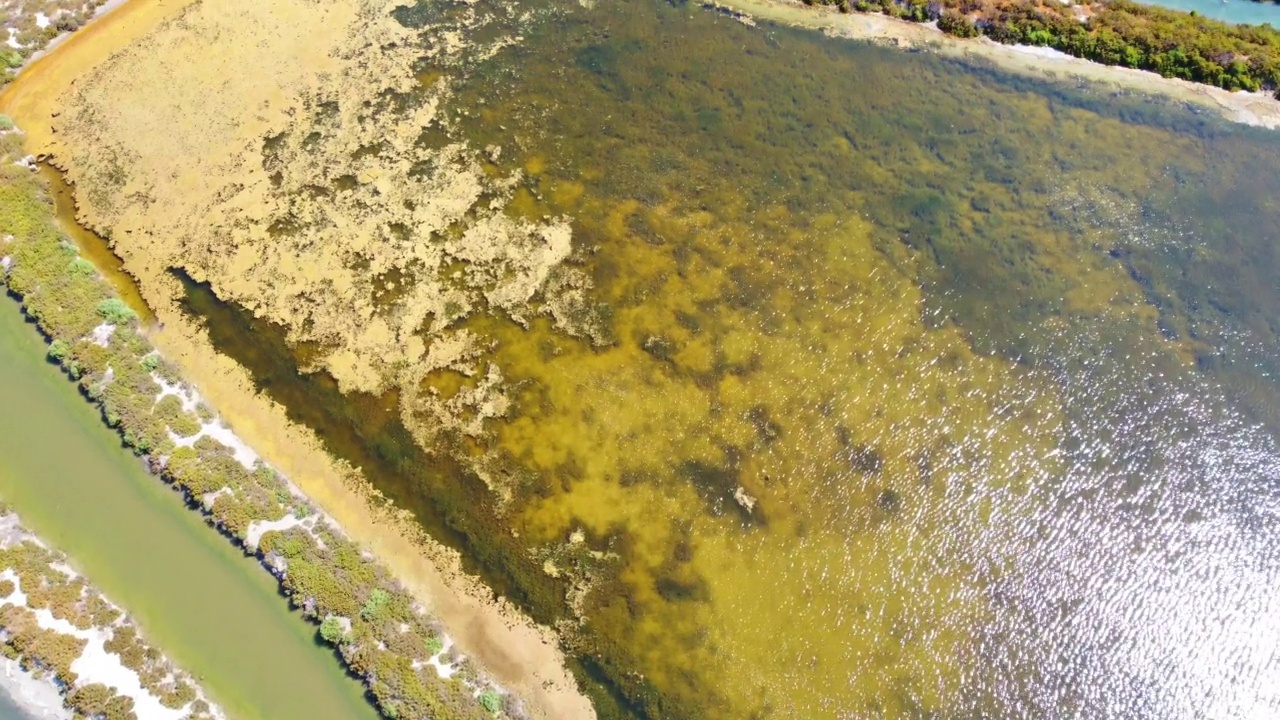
x=1172 y=43
x=380 y=632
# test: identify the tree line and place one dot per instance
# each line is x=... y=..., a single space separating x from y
x=1172 y=43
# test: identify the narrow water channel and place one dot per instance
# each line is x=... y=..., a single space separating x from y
x=211 y=609
x=90 y=245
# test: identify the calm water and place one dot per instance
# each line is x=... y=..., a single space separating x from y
x=1233 y=11
x=932 y=392
x=195 y=596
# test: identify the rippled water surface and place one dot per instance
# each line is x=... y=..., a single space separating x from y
x=931 y=392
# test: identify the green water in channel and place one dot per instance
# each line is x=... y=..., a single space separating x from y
x=209 y=608
x=992 y=362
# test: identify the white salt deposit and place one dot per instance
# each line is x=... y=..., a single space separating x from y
x=223 y=434
x=258 y=528
x=189 y=397
x=210 y=498
x=39 y=699
x=96 y=664
x=215 y=428
x=444 y=669
x=101 y=335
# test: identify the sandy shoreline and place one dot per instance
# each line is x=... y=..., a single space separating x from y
x=1255 y=109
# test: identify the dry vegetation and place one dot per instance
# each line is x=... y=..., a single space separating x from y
x=388 y=636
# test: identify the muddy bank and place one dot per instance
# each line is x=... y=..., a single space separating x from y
x=1256 y=109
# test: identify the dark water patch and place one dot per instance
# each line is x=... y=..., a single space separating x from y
x=364 y=430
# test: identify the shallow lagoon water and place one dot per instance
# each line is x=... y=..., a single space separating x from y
x=1232 y=11
x=931 y=392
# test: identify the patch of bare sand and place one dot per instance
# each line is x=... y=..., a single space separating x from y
x=1256 y=109
x=170 y=142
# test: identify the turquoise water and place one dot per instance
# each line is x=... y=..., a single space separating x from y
x=1232 y=11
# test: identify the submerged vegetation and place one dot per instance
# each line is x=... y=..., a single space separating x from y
x=836 y=398
x=1172 y=43
x=388 y=637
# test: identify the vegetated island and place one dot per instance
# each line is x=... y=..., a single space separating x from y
x=60 y=629
x=1172 y=43
x=381 y=632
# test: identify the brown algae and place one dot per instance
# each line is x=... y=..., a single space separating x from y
x=744 y=357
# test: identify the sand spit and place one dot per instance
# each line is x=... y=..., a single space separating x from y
x=308 y=51
x=1256 y=109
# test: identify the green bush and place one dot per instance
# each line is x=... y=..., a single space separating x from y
x=953 y=22
x=58 y=350
x=114 y=311
x=332 y=630
x=376 y=603
x=83 y=267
